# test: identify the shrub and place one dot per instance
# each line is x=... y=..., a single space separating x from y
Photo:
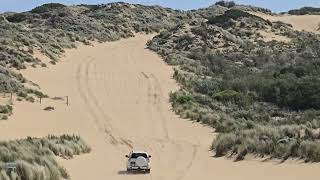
x=4 y=117
x=5 y=109
x=180 y=98
x=184 y=41
x=43 y=65
x=295 y=94
x=234 y=97
x=232 y=14
x=17 y=17
x=22 y=94
x=305 y=10
x=30 y=99
x=227 y=4
x=224 y=144
x=47 y=7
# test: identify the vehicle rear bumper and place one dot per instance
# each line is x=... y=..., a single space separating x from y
x=135 y=168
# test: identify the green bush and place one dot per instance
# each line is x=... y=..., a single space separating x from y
x=5 y=109
x=180 y=98
x=294 y=93
x=304 y=11
x=234 y=14
x=18 y=17
x=228 y=4
x=234 y=97
x=47 y=7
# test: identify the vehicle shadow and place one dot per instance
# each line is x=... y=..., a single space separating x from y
x=122 y=172
x=125 y=173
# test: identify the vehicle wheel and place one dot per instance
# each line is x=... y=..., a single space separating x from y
x=148 y=171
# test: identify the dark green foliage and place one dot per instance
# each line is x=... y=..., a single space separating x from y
x=228 y=4
x=183 y=41
x=233 y=14
x=233 y=97
x=180 y=98
x=5 y=109
x=47 y=7
x=18 y=17
x=305 y=10
x=298 y=94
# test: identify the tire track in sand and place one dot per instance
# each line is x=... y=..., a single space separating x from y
x=154 y=97
x=85 y=99
x=156 y=93
x=106 y=120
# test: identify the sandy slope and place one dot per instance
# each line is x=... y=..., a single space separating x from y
x=118 y=100
x=303 y=22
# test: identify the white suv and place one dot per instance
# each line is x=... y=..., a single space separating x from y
x=138 y=161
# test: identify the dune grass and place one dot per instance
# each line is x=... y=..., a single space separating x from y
x=34 y=158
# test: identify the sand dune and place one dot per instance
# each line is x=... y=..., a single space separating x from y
x=118 y=95
x=303 y=22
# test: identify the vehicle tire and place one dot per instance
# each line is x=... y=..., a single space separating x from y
x=148 y=171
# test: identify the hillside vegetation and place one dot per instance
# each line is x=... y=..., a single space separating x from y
x=262 y=96
x=305 y=10
x=33 y=158
x=51 y=28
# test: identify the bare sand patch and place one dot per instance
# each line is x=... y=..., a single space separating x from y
x=302 y=22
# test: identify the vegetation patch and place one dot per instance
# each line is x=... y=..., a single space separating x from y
x=33 y=158
x=232 y=14
x=47 y=8
x=262 y=97
x=5 y=111
x=228 y=4
x=305 y=10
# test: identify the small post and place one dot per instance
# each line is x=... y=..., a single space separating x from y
x=40 y=99
x=67 y=100
x=11 y=97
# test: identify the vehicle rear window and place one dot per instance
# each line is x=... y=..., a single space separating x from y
x=136 y=155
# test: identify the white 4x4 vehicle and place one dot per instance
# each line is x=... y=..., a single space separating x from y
x=138 y=161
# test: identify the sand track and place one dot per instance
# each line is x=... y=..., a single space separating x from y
x=118 y=100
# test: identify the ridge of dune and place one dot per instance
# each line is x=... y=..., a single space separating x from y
x=299 y=22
